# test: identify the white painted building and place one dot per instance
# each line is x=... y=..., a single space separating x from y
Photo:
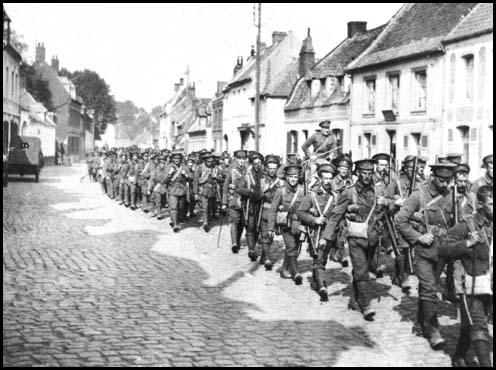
x=278 y=71
x=468 y=88
x=36 y=121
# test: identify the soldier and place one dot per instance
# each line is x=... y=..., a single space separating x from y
x=471 y=242
x=101 y=170
x=157 y=186
x=322 y=142
x=232 y=199
x=313 y=212
x=178 y=176
x=487 y=179
x=271 y=183
x=340 y=182
x=282 y=214
x=112 y=170
x=146 y=185
x=193 y=163
x=431 y=210
x=205 y=189
x=131 y=181
x=250 y=190
x=360 y=206
x=122 y=169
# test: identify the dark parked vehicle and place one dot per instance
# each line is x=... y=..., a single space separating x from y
x=25 y=157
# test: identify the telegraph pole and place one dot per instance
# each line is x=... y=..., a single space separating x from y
x=257 y=83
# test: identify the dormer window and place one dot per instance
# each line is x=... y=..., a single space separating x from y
x=315 y=88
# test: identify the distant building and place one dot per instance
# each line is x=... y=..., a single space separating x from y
x=468 y=88
x=68 y=106
x=38 y=122
x=217 y=106
x=323 y=90
x=11 y=86
x=278 y=73
x=396 y=96
x=200 y=132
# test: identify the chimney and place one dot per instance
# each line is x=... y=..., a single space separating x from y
x=220 y=86
x=192 y=90
x=181 y=81
x=278 y=36
x=356 y=27
x=307 y=55
x=55 y=64
x=176 y=87
x=40 y=53
x=252 y=51
x=239 y=65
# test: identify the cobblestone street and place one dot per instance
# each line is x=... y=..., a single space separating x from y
x=89 y=282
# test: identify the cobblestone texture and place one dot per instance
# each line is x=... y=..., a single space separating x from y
x=88 y=282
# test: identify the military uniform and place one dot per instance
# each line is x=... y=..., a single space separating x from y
x=250 y=189
x=178 y=177
x=121 y=177
x=190 y=201
x=157 y=184
x=270 y=185
x=205 y=186
x=318 y=203
x=132 y=183
x=476 y=263
x=232 y=199
x=358 y=204
x=288 y=199
x=485 y=180
x=146 y=185
x=427 y=206
x=321 y=143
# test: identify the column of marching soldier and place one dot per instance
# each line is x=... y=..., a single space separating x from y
x=433 y=225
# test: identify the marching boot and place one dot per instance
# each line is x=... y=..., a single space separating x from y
x=482 y=348
x=363 y=299
x=263 y=257
x=144 y=204
x=430 y=324
x=293 y=265
x=320 y=285
x=234 y=238
x=252 y=254
x=174 y=221
x=268 y=263
x=284 y=269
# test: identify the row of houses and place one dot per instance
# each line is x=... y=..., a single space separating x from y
x=420 y=84
x=67 y=128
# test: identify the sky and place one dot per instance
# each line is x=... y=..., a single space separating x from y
x=141 y=50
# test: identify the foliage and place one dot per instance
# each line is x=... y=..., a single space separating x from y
x=36 y=85
x=96 y=96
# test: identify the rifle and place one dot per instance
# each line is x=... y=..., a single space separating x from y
x=414 y=176
x=220 y=228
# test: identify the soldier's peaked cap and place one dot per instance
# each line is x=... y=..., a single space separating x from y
x=444 y=170
x=462 y=167
x=271 y=158
x=487 y=159
x=454 y=157
x=208 y=156
x=365 y=164
x=292 y=169
x=225 y=154
x=326 y=167
x=381 y=156
x=342 y=162
x=162 y=158
x=240 y=154
x=325 y=124
x=177 y=154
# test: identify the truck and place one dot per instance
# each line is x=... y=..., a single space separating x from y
x=24 y=157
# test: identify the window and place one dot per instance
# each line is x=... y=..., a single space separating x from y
x=405 y=142
x=452 y=78
x=425 y=141
x=359 y=140
x=73 y=144
x=12 y=84
x=373 y=140
x=420 y=90
x=482 y=73
x=393 y=91
x=370 y=96
x=469 y=76
x=450 y=135
x=473 y=134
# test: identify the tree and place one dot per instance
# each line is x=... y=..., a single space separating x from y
x=128 y=112
x=36 y=85
x=96 y=96
x=17 y=40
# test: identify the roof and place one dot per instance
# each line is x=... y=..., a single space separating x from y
x=336 y=60
x=333 y=64
x=36 y=110
x=282 y=84
x=477 y=22
x=416 y=29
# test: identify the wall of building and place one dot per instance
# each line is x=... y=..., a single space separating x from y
x=468 y=114
x=11 y=97
x=368 y=133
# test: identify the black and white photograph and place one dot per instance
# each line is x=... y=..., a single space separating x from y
x=247 y=185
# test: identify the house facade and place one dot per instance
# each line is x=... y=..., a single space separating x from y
x=12 y=60
x=199 y=135
x=323 y=90
x=278 y=72
x=468 y=88
x=396 y=104
x=36 y=121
